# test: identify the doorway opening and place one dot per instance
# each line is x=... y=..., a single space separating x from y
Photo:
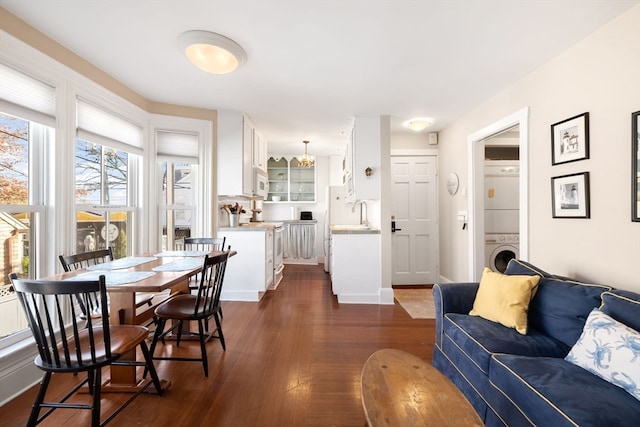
x=477 y=226
x=501 y=198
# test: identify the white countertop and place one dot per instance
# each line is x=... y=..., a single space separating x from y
x=352 y=229
x=253 y=226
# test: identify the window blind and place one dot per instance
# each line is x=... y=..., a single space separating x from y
x=26 y=97
x=101 y=126
x=177 y=145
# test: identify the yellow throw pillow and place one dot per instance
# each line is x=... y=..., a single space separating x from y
x=505 y=299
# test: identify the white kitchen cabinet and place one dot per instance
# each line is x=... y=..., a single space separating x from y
x=235 y=154
x=348 y=167
x=269 y=260
x=356 y=267
x=250 y=272
x=290 y=182
x=369 y=135
x=259 y=151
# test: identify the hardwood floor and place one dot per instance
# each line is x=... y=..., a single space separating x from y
x=293 y=359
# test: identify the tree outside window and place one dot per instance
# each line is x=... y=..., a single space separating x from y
x=102 y=175
x=15 y=218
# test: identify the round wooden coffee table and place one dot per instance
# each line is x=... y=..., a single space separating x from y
x=400 y=389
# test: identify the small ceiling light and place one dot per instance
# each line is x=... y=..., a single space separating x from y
x=306 y=161
x=211 y=52
x=418 y=124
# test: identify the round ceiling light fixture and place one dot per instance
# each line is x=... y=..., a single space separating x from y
x=418 y=124
x=211 y=52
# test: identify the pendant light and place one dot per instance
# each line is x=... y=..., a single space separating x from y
x=306 y=161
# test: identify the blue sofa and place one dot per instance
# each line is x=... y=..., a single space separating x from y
x=523 y=380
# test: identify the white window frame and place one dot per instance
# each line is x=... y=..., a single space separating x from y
x=40 y=139
x=203 y=188
x=130 y=208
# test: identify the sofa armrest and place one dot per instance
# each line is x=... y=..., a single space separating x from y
x=452 y=298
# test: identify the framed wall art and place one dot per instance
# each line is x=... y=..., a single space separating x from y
x=570 y=139
x=570 y=196
x=635 y=166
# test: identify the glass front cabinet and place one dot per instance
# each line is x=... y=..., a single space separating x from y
x=290 y=182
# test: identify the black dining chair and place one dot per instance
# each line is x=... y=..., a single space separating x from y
x=199 y=307
x=66 y=346
x=91 y=258
x=204 y=244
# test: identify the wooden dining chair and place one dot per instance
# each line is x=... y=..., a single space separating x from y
x=87 y=259
x=198 y=307
x=77 y=348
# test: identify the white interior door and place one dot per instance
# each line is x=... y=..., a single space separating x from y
x=414 y=210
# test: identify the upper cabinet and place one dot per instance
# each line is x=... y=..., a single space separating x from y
x=369 y=136
x=278 y=171
x=348 y=167
x=290 y=182
x=302 y=182
x=259 y=151
x=240 y=149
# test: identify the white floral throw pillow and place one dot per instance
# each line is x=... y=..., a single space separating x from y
x=610 y=350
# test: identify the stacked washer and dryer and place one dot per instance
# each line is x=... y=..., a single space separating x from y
x=502 y=211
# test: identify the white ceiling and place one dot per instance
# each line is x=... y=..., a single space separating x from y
x=313 y=65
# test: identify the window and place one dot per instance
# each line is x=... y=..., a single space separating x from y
x=177 y=203
x=27 y=115
x=21 y=207
x=178 y=163
x=107 y=154
x=103 y=212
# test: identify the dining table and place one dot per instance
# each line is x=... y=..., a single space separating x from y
x=154 y=272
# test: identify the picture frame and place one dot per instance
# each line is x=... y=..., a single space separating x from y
x=635 y=166
x=570 y=139
x=570 y=196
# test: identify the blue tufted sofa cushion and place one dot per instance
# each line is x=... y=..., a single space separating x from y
x=479 y=338
x=561 y=305
x=623 y=306
x=554 y=392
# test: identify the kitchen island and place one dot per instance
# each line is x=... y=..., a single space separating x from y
x=257 y=266
x=356 y=265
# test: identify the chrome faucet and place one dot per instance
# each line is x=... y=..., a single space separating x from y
x=363 y=218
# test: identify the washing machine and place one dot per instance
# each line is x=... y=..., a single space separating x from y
x=500 y=248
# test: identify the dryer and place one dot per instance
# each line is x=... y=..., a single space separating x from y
x=501 y=196
x=500 y=248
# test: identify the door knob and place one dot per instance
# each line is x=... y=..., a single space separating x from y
x=393 y=227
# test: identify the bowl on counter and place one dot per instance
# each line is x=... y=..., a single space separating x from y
x=276 y=198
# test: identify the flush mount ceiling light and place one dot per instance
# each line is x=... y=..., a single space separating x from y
x=306 y=161
x=211 y=52
x=418 y=124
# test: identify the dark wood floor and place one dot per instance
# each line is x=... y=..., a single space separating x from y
x=293 y=359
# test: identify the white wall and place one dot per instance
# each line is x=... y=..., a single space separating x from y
x=599 y=75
